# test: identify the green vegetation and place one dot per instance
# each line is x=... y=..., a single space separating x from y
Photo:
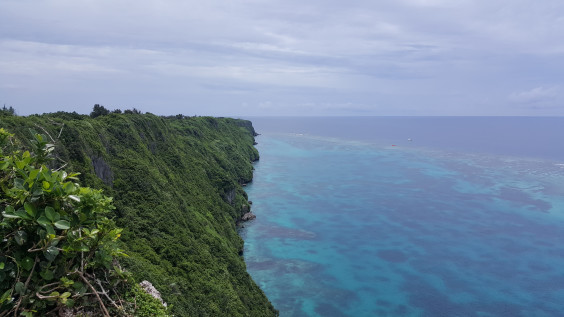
x=144 y=304
x=176 y=184
x=58 y=247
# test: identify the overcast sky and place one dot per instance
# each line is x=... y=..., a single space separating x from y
x=284 y=57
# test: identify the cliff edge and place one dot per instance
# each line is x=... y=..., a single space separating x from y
x=176 y=184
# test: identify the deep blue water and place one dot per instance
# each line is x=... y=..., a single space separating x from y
x=467 y=219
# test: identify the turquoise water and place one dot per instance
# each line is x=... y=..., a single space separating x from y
x=347 y=227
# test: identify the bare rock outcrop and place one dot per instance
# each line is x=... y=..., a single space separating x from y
x=151 y=290
x=248 y=216
x=102 y=170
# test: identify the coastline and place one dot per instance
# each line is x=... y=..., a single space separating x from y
x=409 y=225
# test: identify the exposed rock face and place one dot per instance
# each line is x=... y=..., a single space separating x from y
x=248 y=216
x=102 y=170
x=230 y=196
x=244 y=209
x=151 y=290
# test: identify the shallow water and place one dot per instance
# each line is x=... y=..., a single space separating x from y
x=347 y=227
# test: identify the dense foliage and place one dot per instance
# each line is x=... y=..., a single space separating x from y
x=58 y=250
x=176 y=184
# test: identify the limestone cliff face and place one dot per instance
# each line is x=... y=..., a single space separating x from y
x=230 y=196
x=177 y=188
x=102 y=170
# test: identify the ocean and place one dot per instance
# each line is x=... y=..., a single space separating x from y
x=409 y=216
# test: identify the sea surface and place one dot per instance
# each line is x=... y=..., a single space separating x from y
x=409 y=216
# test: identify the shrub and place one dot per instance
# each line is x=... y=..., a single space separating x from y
x=58 y=243
x=99 y=111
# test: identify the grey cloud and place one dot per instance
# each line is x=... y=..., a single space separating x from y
x=319 y=57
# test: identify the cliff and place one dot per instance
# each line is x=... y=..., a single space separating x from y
x=176 y=183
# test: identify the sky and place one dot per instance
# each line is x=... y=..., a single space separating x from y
x=290 y=57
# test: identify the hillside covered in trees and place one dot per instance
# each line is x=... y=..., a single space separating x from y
x=176 y=183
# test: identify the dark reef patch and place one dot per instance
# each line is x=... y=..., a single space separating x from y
x=394 y=256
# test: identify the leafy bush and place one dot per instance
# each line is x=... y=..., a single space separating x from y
x=58 y=244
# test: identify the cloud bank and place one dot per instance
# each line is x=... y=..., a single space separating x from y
x=257 y=57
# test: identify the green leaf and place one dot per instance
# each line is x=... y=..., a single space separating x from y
x=47 y=275
x=20 y=165
x=50 y=229
x=73 y=176
x=26 y=314
x=37 y=192
x=2 y=265
x=65 y=295
x=46 y=185
x=69 y=187
x=20 y=288
x=5 y=296
x=55 y=242
x=75 y=198
x=21 y=237
x=18 y=183
x=66 y=282
x=70 y=302
x=47 y=175
x=43 y=221
x=62 y=224
x=33 y=174
x=79 y=287
x=9 y=215
x=50 y=213
x=30 y=209
x=27 y=263
x=4 y=165
x=54 y=294
x=51 y=253
x=22 y=214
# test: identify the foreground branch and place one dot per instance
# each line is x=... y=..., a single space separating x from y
x=106 y=314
